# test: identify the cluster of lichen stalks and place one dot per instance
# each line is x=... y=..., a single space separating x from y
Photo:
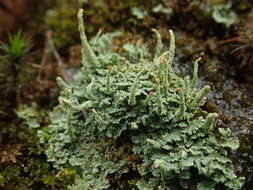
x=142 y=104
x=161 y=79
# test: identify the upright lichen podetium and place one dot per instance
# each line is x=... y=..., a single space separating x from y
x=88 y=56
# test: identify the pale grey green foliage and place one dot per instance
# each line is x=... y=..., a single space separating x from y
x=30 y=115
x=161 y=9
x=103 y=43
x=223 y=14
x=118 y=109
x=139 y=13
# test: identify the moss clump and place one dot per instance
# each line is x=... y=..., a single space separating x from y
x=22 y=159
x=130 y=122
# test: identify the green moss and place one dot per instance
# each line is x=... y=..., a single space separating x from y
x=23 y=162
x=16 y=48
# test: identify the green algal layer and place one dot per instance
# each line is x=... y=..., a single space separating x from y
x=129 y=121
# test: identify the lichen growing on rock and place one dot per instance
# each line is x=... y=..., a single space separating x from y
x=130 y=122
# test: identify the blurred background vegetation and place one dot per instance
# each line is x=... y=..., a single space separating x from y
x=40 y=41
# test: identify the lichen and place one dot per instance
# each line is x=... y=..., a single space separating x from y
x=223 y=14
x=134 y=123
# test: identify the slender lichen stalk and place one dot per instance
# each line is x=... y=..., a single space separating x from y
x=132 y=99
x=180 y=112
x=64 y=87
x=159 y=109
x=62 y=83
x=172 y=47
x=169 y=55
x=167 y=59
x=88 y=56
x=161 y=62
x=159 y=45
x=195 y=72
x=200 y=96
x=210 y=121
x=90 y=89
x=165 y=78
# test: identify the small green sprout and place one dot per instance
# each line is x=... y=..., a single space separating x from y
x=16 y=47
